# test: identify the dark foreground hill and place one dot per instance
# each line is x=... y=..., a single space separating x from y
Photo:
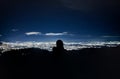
x=93 y=63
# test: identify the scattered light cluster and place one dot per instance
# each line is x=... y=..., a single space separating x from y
x=6 y=46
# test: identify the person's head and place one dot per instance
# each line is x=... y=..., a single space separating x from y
x=59 y=43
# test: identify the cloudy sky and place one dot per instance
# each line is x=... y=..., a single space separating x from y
x=49 y=20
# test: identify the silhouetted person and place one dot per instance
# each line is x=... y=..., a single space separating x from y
x=60 y=63
x=59 y=50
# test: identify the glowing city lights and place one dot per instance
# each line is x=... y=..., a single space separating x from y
x=6 y=46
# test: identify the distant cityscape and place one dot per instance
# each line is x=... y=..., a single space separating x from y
x=7 y=46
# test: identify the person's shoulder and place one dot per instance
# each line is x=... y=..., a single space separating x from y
x=54 y=48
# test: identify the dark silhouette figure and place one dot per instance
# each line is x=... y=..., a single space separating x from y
x=58 y=51
x=60 y=68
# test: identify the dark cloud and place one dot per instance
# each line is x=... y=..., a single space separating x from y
x=88 y=5
x=81 y=5
x=13 y=3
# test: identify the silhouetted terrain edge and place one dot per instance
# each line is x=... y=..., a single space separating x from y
x=33 y=63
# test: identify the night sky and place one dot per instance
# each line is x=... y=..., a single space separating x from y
x=69 y=20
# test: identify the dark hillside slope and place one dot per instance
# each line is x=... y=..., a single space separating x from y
x=91 y=63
